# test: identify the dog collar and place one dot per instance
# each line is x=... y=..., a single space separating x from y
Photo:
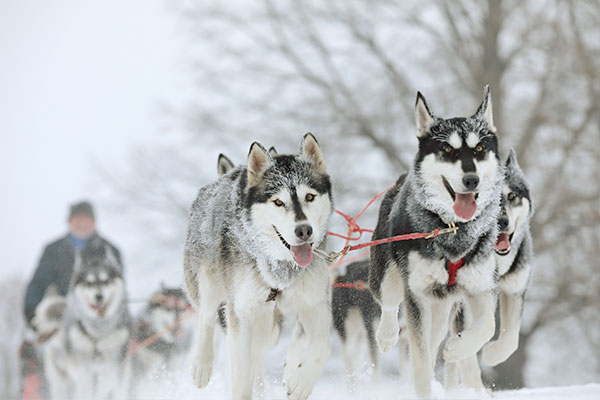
x=273 y=294
x=453 y=268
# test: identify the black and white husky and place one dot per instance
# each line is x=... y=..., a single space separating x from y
x=355 y=314
x=161 y=320
x=88 y=358
x=456 y=178
x=250 y=245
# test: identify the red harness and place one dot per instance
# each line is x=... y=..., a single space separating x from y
x=453 y=268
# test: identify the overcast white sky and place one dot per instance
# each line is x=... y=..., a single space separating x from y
x=79 y=84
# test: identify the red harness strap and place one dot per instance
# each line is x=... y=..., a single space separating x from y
x=453 y=268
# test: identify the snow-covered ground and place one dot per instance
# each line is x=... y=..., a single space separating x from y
x=332 y=384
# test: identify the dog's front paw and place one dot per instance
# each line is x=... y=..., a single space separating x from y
x=457 y=349
x=299 y=382
x=387 y=335
x=496 y=352
x=201 y=373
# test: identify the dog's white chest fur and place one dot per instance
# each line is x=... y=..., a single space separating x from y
x=109 y=345
x=473 y=277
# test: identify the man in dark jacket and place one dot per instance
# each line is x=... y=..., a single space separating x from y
x=55 y=269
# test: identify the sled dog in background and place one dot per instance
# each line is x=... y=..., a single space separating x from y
x=514 y=251
x=355 y=315
x=88 y=358
x=224 y=164
x=161 y=316
x=456 y=178
x=250 y=245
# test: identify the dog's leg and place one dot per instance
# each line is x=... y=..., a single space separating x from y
x=351 y=356
x=511 y=307
x=440 y=315
x=404 y=357
x=373 y=350
x=205 y=328
x=418 y=324
x=471 y=373
x=239 y=341
x=460 y=319
x=467 y=343
x=262 y=338
x=56 y=376
x=391 y=297
x=302 y=375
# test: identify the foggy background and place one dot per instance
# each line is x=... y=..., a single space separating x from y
x=129 y=104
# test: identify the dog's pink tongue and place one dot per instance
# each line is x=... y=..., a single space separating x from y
x=302 y=254
x=465 y=205
x=502 y=244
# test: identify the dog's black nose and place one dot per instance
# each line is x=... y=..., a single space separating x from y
x=470 y=181
x=503 y=223
x=99 y=298
x=304 y=232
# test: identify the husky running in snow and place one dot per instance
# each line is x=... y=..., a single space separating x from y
x=161 y=316
x=456 y=178
x=88 y=358
x=250 y=245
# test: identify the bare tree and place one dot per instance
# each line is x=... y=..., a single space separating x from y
x=348 y=70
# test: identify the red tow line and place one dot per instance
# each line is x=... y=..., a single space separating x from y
x=353 y=228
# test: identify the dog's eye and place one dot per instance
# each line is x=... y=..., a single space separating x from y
x=310 y=197
x=448 y=149
x=511 y=196
x=278 y=203
x=479 y=148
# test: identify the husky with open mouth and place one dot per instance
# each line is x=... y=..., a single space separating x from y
x=514 y=251
x=456 y=178
x=251 y=242
x=88 y=357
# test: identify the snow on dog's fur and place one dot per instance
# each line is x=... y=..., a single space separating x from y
x=250 y=240
x=456 y=178
x=88 y=358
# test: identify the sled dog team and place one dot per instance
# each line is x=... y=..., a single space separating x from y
x=255 y=236
x=252 y=258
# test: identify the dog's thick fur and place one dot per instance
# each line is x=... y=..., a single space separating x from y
x=249 y=233
x=456 y=177
x=88 y=358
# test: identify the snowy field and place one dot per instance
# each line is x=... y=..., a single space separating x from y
x=332 y=384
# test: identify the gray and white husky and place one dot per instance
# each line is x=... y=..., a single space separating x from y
x=514 y=251
x=250 y=244
x=88 y=358
x=456 y=178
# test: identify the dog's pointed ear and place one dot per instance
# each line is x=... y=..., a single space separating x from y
x=484 y=112
x=224 y=165
x=311 y=151
x=259 y=161
x=511 y=160
x=273 y=152
x=423 y=116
